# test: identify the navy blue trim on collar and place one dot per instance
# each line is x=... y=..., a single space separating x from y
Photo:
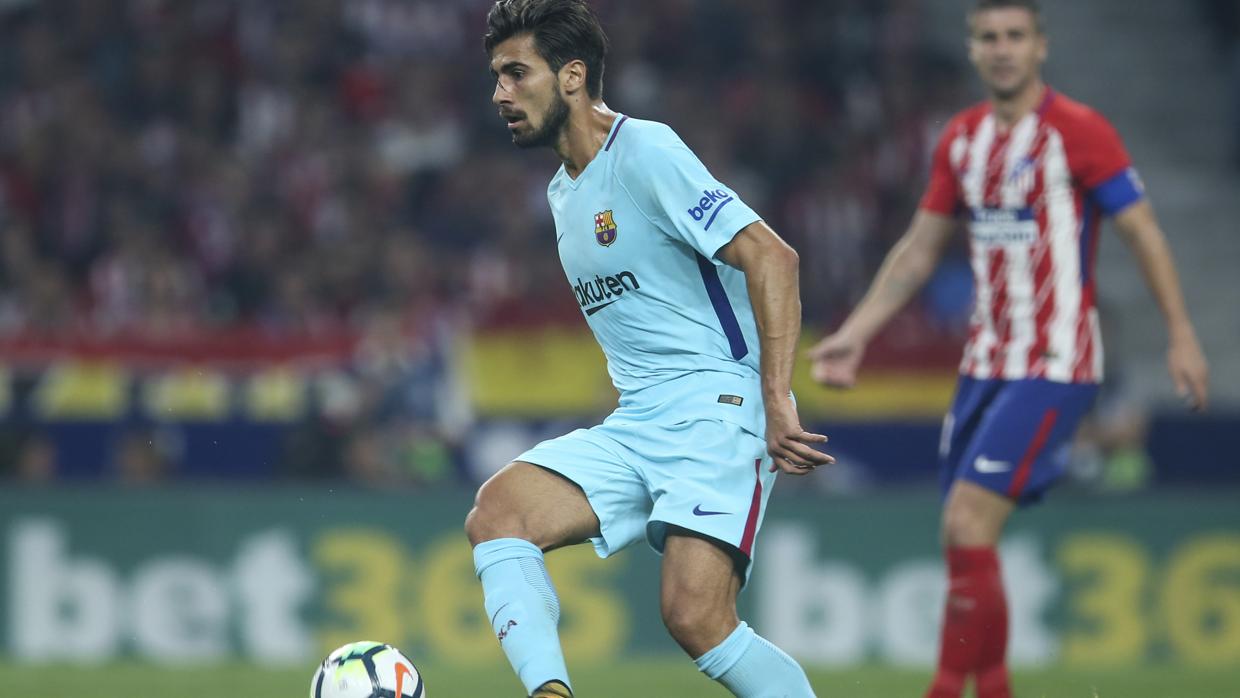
x=615 y=132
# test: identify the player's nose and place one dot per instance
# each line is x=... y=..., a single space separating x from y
x=500 y=96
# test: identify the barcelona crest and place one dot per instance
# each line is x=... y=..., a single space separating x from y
x=604 y=228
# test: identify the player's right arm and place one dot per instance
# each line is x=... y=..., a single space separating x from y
x=904 y=272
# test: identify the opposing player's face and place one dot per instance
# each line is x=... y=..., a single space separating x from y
x=1007 y=48
x=527 y=93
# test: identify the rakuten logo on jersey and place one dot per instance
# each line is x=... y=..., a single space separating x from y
x=715 y=200
x=602 y=291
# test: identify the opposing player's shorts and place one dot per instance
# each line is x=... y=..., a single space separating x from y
x=645 y=469
x=1011 y=437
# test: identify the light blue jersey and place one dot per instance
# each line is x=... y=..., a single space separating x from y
x=638 y=231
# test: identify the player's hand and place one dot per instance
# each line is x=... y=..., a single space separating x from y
x=1189 y=370
x=790 y=446
x=835 y=360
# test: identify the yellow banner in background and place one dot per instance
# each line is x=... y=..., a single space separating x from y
x=93 y=390
x=531 y=373
x=525 y=373
x=541 y=373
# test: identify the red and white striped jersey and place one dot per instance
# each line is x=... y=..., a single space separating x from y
x=1033 y=196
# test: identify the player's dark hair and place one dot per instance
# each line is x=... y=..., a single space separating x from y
x=563 y=31
x=1032 y=5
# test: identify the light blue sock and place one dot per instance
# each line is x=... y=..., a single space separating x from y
x=523 y=609
x=751 y=667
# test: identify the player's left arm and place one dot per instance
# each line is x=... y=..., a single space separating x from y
x=1139 y=228
x=1102 y=165
x=772 y=270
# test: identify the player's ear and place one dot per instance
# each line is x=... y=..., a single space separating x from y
x=573 y=77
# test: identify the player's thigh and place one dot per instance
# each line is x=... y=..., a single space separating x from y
x=609 y=475
x=526 y=501
x=1019 y=448
x=699 y=584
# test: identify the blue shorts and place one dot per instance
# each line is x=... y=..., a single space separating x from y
x=1011 y=437
x=644 y=469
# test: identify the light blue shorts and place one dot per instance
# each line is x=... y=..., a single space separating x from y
x=643 y=470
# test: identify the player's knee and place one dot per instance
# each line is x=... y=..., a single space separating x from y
x=490 y=519
x=685 y=622
x=477 y=527
x=483 y=524
x=965 y=526
x=696 y=623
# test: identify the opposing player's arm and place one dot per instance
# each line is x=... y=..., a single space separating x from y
x=1138 y=226
x=1100 y=162
x=772 y=275
x=903 y=273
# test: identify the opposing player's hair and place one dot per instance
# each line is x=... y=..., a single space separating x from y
x=982 y=5
x=563 y=31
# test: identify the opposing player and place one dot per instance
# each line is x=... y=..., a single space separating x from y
x=695 y=303
x=1031 y=172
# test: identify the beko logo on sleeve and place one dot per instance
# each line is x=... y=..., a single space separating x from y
x=711 y=202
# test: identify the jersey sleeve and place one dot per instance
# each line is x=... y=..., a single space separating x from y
x=942 y=193
x=1101 y=165
x=673 y=189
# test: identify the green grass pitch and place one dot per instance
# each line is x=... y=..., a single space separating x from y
x=649 y=679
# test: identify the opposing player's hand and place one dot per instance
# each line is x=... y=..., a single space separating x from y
x=835 y=360
x=790 y=446
x=1188 y=368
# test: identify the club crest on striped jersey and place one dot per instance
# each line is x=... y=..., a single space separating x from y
x=1022 y=176
x=604 y=228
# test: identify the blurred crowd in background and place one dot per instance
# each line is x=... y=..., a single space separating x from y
x=1223 y=16
x=173 y=166
x=175 y=171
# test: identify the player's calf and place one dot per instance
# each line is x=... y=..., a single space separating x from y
x=699 y=588
x=698 y=591
x=523 y=608
x=520 y=512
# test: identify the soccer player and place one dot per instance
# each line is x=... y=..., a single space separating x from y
x=1031 y=172
x=695 y=302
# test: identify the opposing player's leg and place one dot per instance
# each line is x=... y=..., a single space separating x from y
x=1003 y=447
x=975 y=620
x=520 y=513
x=700 y=581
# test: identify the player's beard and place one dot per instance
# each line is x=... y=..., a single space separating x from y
x=1009 y=93
x=553 y=122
